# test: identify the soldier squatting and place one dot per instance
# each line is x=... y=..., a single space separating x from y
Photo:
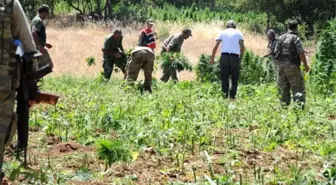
x=287 y=53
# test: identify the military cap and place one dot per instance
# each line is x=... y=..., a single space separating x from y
x=187 y=31
x=150 y=21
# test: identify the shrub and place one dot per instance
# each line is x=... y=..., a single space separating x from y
x=205 y=71
x=113 y=151
x=323 y=73
x=254 y=70
x=176 y=61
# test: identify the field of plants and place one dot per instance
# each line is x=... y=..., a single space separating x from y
x=108 y=133
x=185 y=133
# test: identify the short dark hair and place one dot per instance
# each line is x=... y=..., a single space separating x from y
x=117 y=31
x=43 y=8
x=292 y=24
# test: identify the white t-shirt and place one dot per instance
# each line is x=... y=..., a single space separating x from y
x=230 y=40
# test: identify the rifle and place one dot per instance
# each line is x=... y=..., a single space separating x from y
x=29 y=94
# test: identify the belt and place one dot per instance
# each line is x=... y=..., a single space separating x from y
x=233 y=54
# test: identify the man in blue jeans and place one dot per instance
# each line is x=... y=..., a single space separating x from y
x=232 y=51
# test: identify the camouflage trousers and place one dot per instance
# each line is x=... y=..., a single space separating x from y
x=109 y=62
x=7 y=114
x=290 y=79
x=169 y=72
x=141 y=59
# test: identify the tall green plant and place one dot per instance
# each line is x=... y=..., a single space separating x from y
x=205 y=71
x=323 y=75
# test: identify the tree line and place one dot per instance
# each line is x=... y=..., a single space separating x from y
x=312 y=13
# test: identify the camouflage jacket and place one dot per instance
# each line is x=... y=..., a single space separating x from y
x=174 y=42
x=289 y=48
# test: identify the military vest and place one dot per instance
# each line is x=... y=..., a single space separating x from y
x=8 y=62
x=289 y=52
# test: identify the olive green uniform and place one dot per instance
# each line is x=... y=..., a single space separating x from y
x=15 y=25
x=142 y=58
x=113 y=44
x=175 y=43
x=289 y=74
x=38 y=26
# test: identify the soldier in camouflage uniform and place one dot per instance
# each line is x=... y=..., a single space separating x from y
x=272 y=42
x=290 y=53
x=14 y=26
x=38 y=29
x=174 y=44
x=113 y=53
x=142 y=58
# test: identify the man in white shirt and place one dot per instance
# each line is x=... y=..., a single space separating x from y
x=232 y=51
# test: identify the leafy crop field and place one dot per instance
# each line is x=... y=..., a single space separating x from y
x=109 y=133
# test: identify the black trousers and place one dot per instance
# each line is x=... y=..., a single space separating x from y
x=229 y=66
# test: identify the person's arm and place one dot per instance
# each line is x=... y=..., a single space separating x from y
x=242 y=49
x=21 y=29
x=121 y=47
x=214 y=51
x=141 y=39
x=300 y=50
x=172 y=43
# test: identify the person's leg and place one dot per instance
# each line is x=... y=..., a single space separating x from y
x=284 y=85
x=235 y=72
x=148 y=70
x=166 y=74
x=297 y=85
x=173 y=74
x=224 y=74
x=121 y=63
x=108 y=67
x=134 y=66
x=7 y=121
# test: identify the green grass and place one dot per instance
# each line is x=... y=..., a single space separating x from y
x=251 y=141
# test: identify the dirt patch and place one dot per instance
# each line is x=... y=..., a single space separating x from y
x=52 y=139
x=332 y=117
x=68 y=147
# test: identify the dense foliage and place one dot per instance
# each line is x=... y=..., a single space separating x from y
x=176 y=61
x=323 y=75
x=254 y=69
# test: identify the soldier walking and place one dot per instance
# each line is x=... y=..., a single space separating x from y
x=272 y=42
x=290 y=53
x=14 y=26
x=174 y=44
x=38 y=29
x=232 y=52
x=113 y=53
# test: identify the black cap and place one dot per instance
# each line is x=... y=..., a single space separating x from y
x=187 y=31
x=292 y=24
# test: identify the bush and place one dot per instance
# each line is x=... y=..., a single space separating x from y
x=205 y=71
x=254 y=70
x=176 y=61
x=323 y=73
x=113 y=151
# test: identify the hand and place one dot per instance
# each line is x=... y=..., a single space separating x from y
x=171 y=58
x=307 y=68
x=117 y=55
x=48 y=45
x=212 y=61
x=43 y=50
